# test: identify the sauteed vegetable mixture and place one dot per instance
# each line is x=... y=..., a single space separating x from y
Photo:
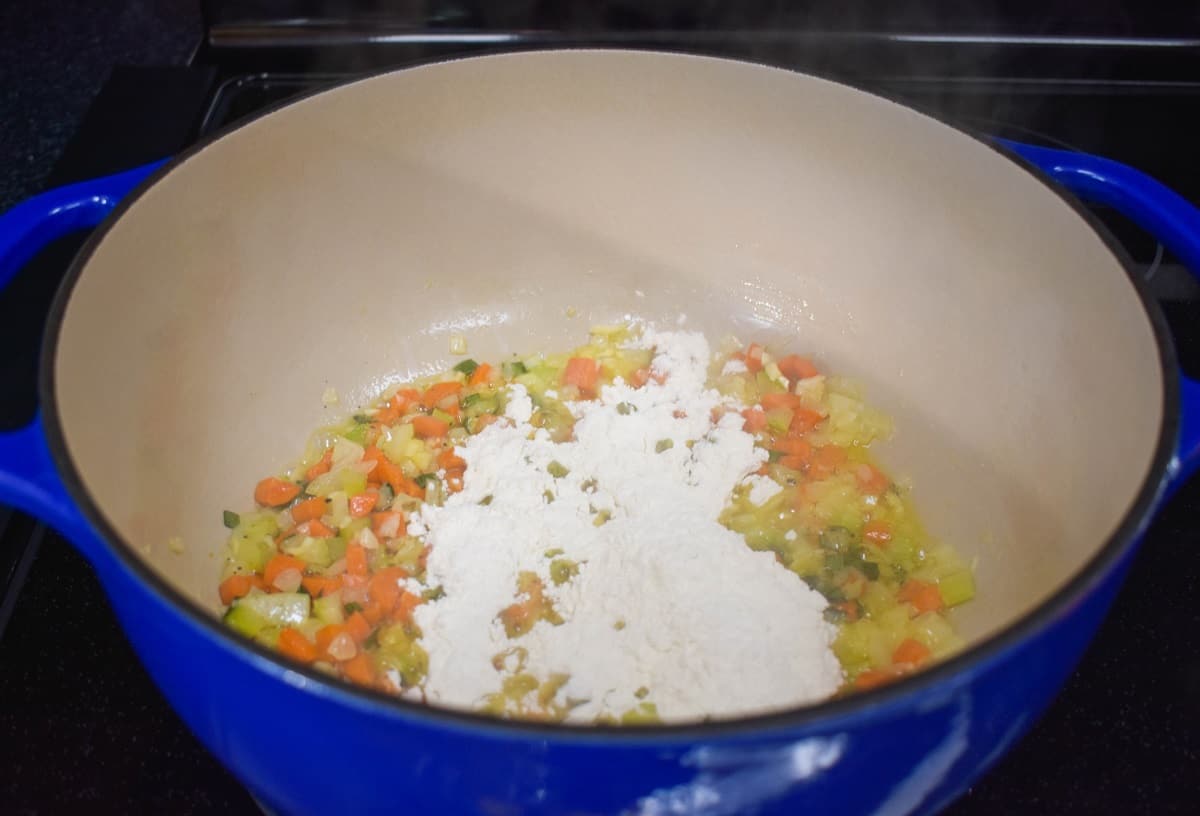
x=329 y=566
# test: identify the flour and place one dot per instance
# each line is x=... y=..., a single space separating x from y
x=762 y=489
x=668 y=606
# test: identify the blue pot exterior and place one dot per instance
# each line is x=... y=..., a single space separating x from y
x=303 y=748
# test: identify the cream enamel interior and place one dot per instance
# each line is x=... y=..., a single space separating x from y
x=341 y=240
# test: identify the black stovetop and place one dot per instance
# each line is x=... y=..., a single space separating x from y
x=87 y=729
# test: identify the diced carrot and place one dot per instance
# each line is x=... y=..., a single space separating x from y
x=480 y=375
x=387 y=472
x=825 y=460
x=793 y=446
x=273 y=492
x=321 y=467
x=878 y=532
x=388 y=414
x=426 y=427
x=795 y=367
x=318 y=585
x=362 y=504
x=449 y=460
x=781 y=399
x=439 y=391
x=871 y=479
x=793 y=462
x=360 y=669
x=327 y=634
x=374 y=454
x=407 y=603
x=356 y=559
x=374 y=612
x=873 y=678
x=388 y=524
x=279 y=563
x=238 y=586
x=408 y=487
x=517 y=617
x=315 y=529
x=756 y=420
x=358 y=627
x=804 y=420
x=924 y=596
x=295 y=645
x=384 y=586
x=308 y=509
x=454 y=480
x=394 y=476
x=754 y=354
x=639 y=377
x=353 y=581
x=912 y=652
x=583 y=373
x=848 y=608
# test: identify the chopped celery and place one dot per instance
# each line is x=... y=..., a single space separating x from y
x=512 y=369
x=242 y=618
x=354 y=528
x=280 y=608
x=328 y=608
x=557 y=469
x=347 y=479
x=268 y=637
x=251 y=554
x=358 y=434
x=766 y=385
x=957 y=587
x=353 y=481
x=642 y=714
x=438 y=413
x=252 y=542
x=310 y=550
x=779 y=419
x=533 y=383
x=399 y=650
x=467 y=367
x=562 y=570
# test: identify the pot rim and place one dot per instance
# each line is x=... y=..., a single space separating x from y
x=956 y=668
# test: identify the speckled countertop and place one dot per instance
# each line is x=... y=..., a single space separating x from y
x=55 y=55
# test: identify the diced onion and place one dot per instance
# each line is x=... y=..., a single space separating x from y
x=354 y=594
x=345 y=453
x=367 y=538
x=288 y=580
x=342 y=647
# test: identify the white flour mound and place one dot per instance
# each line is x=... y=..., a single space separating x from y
x=666 y=599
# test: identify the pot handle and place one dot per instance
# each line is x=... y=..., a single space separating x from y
x=29 y=480
x=1164 y=214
